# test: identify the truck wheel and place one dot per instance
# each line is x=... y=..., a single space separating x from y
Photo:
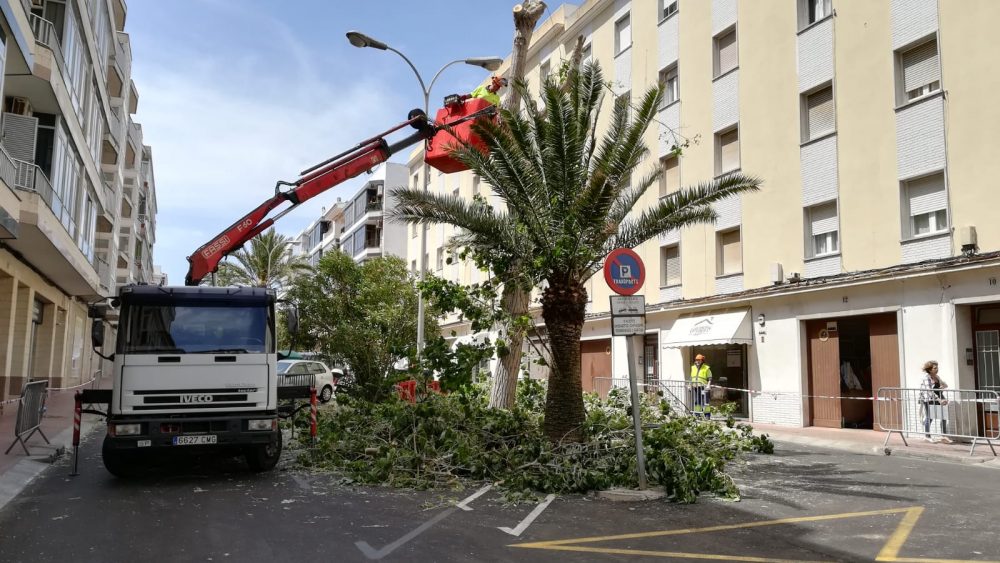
x=263 y=457
x=119 y=463
x=326 y=394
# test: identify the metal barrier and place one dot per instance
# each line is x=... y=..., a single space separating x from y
x=295 y=386
x=30 y=409
x=967 y=414
x=677 y=392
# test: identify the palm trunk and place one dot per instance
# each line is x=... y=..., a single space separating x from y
x=515 y=302
x=564 y=309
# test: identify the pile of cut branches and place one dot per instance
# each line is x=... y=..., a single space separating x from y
x=444 y=441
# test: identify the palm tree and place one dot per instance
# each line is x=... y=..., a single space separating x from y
x=569 y=198
x=267 y=263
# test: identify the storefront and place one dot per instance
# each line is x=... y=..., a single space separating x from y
x=724 y=338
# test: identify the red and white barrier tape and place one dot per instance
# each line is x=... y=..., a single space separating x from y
x=73 y=387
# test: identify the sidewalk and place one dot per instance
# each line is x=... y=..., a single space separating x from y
x=870 y=442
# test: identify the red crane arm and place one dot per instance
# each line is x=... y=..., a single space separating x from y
x=313 y=181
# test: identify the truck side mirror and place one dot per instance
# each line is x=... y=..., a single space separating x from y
x=292 y=320
x=97 y=333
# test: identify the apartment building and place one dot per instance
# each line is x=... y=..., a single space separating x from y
x=871 y=247
x=367 y=232
x=78 y=192
x=321 y=236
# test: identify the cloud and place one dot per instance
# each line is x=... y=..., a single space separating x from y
x=225 y=126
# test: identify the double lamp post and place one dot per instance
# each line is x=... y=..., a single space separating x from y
x=491 y=64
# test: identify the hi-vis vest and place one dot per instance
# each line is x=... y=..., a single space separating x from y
x=485 y=94
x=701 y=376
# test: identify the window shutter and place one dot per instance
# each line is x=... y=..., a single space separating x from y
x=19 y=136
x=727 y=52
x=732 y=252
x=820 y=108
x=823 y=218
x=920 y=66
x=729 y=147
x=670 y=182
x=672 y=265
x=926 y=195
x=623 y=29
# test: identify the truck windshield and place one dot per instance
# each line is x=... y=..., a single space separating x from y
x=197 y=329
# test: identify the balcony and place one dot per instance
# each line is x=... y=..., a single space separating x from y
x=48 y=234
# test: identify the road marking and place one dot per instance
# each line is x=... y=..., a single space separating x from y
x=891 y=548
x=529 y=518
x=372 y=553
x=464 y=505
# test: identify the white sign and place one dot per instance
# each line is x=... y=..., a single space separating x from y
x=628 y=305
x=628 y=326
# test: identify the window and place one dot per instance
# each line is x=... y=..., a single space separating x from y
x=727 y=152
x=811 y=11
x=729 y=253
x=725 y=53
x=818 y=113
x=927 y=205
x=413 y=267
x=667 y=8
x=671 y=85
x=920 y=71
x=454 y=193
x=623 y=34
x=670 y=264
x=587 y=55
x=440 y=258
x=670 y=181
x=823 y=229
x=475 y=186
x=545 y=70
x=413 y=230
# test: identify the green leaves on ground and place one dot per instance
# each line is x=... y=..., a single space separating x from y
x=444 y=440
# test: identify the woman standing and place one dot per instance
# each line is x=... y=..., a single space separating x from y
x=931 y=396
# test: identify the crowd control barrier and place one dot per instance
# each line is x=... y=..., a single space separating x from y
x=678 y=393
x=965 y=414
x=30 y=408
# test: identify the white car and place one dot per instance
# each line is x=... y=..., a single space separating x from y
x=326 y=379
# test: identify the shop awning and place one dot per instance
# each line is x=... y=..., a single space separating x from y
x=713 y=329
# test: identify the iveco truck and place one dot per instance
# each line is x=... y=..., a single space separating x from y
x=194 y=368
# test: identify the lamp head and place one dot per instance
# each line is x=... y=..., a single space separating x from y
x=360 y=40
x=489 y=63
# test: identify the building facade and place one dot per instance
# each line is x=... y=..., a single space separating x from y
x=321 y=236
x=870 y=248
x=78 y=192
x=367 y=231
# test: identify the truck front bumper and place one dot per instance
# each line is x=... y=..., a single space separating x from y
x=231 y=430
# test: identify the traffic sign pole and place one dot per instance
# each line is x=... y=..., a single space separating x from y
x=625 y=273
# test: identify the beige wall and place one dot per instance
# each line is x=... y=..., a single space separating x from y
x=968 y=62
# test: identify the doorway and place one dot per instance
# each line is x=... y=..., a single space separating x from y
x=986 y=332
x=595 y=366
x=729 y=371
x=850 y=358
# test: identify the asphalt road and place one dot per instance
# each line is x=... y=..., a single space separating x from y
x=800 y=504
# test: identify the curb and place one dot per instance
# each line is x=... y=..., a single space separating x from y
x=18 y=477
x=898 y=451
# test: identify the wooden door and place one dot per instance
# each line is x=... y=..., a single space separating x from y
x=885 y=364
x=595 y=362
x=824 y=374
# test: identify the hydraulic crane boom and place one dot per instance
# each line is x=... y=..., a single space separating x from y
x=312 y=182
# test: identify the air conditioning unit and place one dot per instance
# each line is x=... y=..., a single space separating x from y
x=17 y=105
x=777 y=273
x=968 y=239
x=37 y=3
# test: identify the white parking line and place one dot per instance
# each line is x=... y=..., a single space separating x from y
x=464 y=504
x=529 y=518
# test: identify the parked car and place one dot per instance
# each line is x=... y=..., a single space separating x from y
x=326 y=378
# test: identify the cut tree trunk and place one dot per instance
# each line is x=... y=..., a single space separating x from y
x=564 y=309
x=515 y=300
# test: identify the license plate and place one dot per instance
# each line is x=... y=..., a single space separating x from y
x=144 y=443
x=195 y=440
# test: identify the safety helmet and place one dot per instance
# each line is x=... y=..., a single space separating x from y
x=699 y=357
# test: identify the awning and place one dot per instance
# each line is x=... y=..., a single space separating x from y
x=713 y=329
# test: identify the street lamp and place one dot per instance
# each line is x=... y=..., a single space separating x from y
x=491 y=64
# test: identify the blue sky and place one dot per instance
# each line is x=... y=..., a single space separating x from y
x=237 y=94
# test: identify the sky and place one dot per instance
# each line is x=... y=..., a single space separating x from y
x=235 y=95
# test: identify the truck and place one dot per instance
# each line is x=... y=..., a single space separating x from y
x=195 y=366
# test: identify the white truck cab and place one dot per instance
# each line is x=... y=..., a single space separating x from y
x=194 y=367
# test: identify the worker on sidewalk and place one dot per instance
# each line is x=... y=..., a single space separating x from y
x=489 y=91
x=701 y=379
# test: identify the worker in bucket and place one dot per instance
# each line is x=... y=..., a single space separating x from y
x=701 y=379
x=489 y=91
